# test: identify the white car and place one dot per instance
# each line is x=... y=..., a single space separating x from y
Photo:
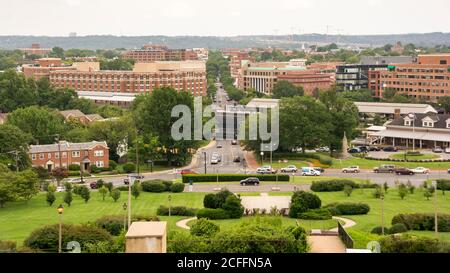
x=289 y=169
x=351 y=169
x=214 y=160
x=60 y=189
x=308 y=171
x=74 y=180
x=421 y=170
x=265 y=170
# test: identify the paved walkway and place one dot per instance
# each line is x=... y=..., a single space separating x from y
x=347 y=223
x=183 y=223
x=265 y=202
x=252 y=163
x=326 y=244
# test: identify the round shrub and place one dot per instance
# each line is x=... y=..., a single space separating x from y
x=46 y=238
x=153 y=186
x=233 y=207
x=167 y=184
x=212 y=214
x=209 y=201
x=129 y=167
x=348 y=208
x=113 y=224
x=332 y=185
x=203 y=227
x=176 y=211
x=122 y=188
x=315 y=214
x=112 y=164
x=177 y=187
x=302 y=201
x=378 y=230
x=397 y=228
x=74 y=167
x=422 y=221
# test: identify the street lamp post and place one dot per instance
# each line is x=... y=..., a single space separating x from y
x=170 y=199
x=262 y=155
x=204 y=155
x=129 y=199
x=382 y=214
x=124 y=206
x=60 y=210
x=436 y=231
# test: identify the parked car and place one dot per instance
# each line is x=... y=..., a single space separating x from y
x=289 y=169
x=187 y=171
x=447 y=150
x=214 y=160
x=321 y=170
x=403 y=171
x=60 y=189
x=74 y=180
x=308 y=171
x=126 y=181
x=448 y=171
x=234 y=142
x=136 y=176
x=236 y=159
x=374 y=149
x=266 y=170
x=93 y=185
x=384 y=169
x=421 y=170
x=390 y=149
x=354 y=150
x=323 y=150
x=363 y=149
x=351 y=169
x=437 y=149
x=219 y=146
x=250 y=181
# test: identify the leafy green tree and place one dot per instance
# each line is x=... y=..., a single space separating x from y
x=85 y=193
x=40 y=122
x=362 y=95
x=402 y=191
x=115 y=194
x=427 y=193
x=285 y=89
x=136 y=189
x=59 y=174
x=386 y=187
x=116 y=64
x=26 y=184
x=103 y=192
x=444 y=102
x=7 y=191
x=68 y=197
x=13 y=139
x=109 y=111
x=348 y=190
x=16 y=91
x=50 y=197
x=304 y=123
x=57 y=52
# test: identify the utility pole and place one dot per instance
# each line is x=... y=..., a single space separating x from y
x=204 y=154
x=16 y=158
x=137 y=155
x=436 y=231
x=382 y=214
x=131 y=181
x=59 y=150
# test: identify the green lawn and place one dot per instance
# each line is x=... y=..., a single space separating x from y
x=414 y=157
x=305 y=180
x=143 y=168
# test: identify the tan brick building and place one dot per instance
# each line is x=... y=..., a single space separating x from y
x=153 y=53
x=36 y=49
x=428 y=78
x=65 y=153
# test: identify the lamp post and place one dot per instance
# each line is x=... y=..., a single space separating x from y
x=169 y=198
x=60 y=210
x=436 y=232
x=204 y=155
x=124 y=206
x=413 y=117
x=262 y=155
x=382 y=214
x=129 y=199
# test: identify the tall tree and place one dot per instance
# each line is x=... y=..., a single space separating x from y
x=284 y=89
x=26 y=185
x=16 y=91
x=13 y=139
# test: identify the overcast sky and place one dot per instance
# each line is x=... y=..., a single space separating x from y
x=222 y=18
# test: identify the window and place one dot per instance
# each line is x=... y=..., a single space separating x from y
x=76 y=154
x=98 y=153
x=427 y=124
x=448 y=124
x=64 y=155
x=407 y=122
x=99 y=164
x=33 y=157
x=41 y=156
x=49 y=155
x=57 y=155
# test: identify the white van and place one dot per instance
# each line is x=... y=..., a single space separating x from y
x=308 y=171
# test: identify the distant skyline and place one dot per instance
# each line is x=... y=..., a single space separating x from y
x=222 y=18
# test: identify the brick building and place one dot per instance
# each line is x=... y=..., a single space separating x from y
x=36 y=49
x=153 y=53
x=42 y=68
x=427 y=78
x=309 y=80
x=65 y=153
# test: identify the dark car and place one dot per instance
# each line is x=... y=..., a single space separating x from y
x=448 y=171
x=93 y=185
x=126 y=181
x=237 y=159
x=363 y=149
x=354 y=150
x=403 y=171
x=322 y=170
x=374 y=149
x=390 y=149
x=250 y=181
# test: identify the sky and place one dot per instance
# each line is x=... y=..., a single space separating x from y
x=222 y=18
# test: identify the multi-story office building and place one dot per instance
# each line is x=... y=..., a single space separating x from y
x=154 y=53
x=43 y=67
x=36 y=49
x=428 y=78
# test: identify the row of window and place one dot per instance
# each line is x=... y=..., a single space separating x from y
x=424 y=123
x=98 y=153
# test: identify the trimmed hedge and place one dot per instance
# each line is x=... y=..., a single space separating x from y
x=177 y=187
x=348 y=208
x=178 y=211
x=315 y=214
x=153 y=186
x=411 y=244
x=203 y=227
x=323 y=159
x=114 y=223
x=398 y=228
x=122 y=188
x=422 y=221
x=212 y=214
x=332 y=185
x=232 y=177
x=443 y=184
x=409 y=160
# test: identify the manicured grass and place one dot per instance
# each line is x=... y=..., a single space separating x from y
x=146 y=168
x=18 y=219
x=305 y=180
x=414 y=157
x=369 y=164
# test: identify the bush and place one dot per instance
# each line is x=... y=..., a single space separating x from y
x=378 y=230
x=167 y=184
x=209 y=201
x=422 y=221
x=232 y=177
x=409 y=244
x=122 y=188
x=203 y=227
x=129 y=167
x=348 y=208
x=443 y=184
x=177 y=187
x=302 y=201
x=332 y=185
x=212 y=214
x=176 y=211
x=315 y=214
x=95 y=169
x=397 y=228
x=100 y=183
x=112 y=164
x=233 y=207
x=8 y=246
x=114 y=224
x=74 y=173
x=46 y=238
x=74 y=167
x=153 y=186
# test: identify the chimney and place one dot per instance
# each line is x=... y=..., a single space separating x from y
x=396 y=113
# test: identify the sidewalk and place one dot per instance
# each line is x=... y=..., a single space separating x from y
x=252 y=163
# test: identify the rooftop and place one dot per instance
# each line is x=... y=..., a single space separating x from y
x=146 y=229
x=389 y=108
x=66 y=146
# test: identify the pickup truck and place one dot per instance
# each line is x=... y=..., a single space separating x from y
x=384 y=169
